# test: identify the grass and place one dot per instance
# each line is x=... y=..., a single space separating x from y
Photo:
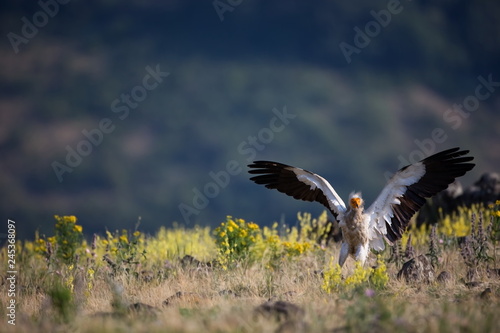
x=192 y=280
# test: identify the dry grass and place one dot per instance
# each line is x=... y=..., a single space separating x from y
x=436 y=307
x=214 y=299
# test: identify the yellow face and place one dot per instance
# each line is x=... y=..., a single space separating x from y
x=355 y=202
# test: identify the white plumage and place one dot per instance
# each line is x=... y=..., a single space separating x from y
x=389 y=215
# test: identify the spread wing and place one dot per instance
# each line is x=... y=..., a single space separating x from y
x=298 y=183
x=406 y=191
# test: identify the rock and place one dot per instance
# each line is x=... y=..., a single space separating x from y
x=228 y=292
x=444 y=277
x=486 y=190
x=192 y=264
x=493 y=272
x=486 y=294
x=167 y=264
x=417 y=270
x=473 y=284
x=137 y=307
x=147 y=276
x=188 y=297
x=281 y=310
x=142 y=309
x=188 y=260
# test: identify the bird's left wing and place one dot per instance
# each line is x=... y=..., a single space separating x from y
x=406 y=191
x=298 y=183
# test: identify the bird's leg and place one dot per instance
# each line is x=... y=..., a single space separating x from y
x=344 y=252
x=361 y=254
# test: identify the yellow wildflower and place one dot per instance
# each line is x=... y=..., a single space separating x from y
x=360 y=275
x=77 y=228
x=252 y=226
x=232 y=224
x=379 y=277
x=332 y=278
x=70 y=219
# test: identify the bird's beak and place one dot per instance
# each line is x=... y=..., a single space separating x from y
x=355 y=202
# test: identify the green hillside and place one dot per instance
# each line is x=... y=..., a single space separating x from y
x=131 y=109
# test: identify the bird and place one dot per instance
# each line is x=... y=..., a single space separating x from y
x=387 y=218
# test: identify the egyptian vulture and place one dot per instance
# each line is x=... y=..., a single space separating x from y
x=387 y=218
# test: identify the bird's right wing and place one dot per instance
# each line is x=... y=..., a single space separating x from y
x=298 y=183
x=406 y=191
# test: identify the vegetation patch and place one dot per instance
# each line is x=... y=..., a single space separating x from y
x=244 y=277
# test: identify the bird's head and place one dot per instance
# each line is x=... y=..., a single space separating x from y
x=355 y=201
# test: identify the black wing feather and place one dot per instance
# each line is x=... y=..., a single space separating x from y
x=281 y=177
x=441 y=169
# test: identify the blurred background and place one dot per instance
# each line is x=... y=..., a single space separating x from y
x=115 y=111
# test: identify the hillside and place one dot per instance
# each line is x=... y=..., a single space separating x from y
x=127 y=110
